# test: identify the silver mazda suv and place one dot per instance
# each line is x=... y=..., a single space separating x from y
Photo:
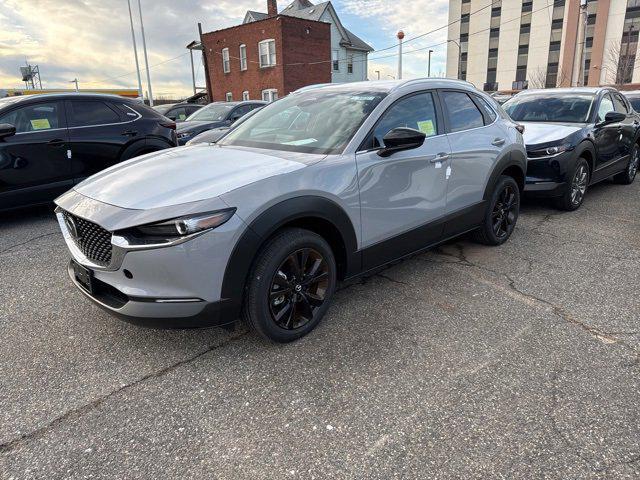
x=323 y=185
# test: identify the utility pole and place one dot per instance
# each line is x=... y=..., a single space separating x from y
x=400 y=37
x=75 y=80
x=135 y=52
x=378 y=73
x=459 y=58
x=146 y=60
x=429 y=64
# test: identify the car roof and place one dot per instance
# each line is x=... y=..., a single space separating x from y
x=388 y=86
x=567 y=90
x=60 y=96
x=239 y=102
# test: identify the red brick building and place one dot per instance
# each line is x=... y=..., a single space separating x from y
x=268 y=58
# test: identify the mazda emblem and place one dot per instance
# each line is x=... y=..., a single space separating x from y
x=71 y=225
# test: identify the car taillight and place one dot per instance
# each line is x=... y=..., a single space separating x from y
x=171 y=125
x=520 y=128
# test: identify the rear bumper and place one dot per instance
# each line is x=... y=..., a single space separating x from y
x=156 y=312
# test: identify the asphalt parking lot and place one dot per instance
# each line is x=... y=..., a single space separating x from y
x=466 y=362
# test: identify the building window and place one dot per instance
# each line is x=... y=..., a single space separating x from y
x=267 y=53
x=226 y=64
x=245 y=95
x=350 y=64
x=335 y=61
x=229 y=97
x=243 y=57
x=270 y=95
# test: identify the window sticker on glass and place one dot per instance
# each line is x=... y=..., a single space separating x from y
x=40 y=124
x=182 y=116
x=427 y=128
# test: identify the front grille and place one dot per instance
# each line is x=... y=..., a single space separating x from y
x=93 y=240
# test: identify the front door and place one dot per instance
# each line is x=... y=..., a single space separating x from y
x=402 y=197
x=34 y=163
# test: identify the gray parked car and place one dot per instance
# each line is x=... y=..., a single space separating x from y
x=323 y=185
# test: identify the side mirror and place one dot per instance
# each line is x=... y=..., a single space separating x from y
x=399 y=139
x=614 y=117
x=234 y=119
x=7 y=130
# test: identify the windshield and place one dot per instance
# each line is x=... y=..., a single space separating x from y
x=314 y=121
x=211 y=113
x=545 y=107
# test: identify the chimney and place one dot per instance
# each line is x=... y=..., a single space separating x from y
x=272 y=8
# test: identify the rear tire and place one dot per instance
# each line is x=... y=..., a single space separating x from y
x=573 y=195
x=290 y=285
x=502 y=213
x=628 y=176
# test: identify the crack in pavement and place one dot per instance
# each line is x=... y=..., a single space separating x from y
x=11 y=247
x=82 y=410
x=601 y=335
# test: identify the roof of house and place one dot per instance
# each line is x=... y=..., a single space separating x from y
x=308 y=11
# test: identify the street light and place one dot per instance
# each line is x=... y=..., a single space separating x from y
x=459 y=57
x=429 y=65
x=146 y=60
x=75 y=80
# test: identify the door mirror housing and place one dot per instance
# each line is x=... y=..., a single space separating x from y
x=401 y=138
x=7 y=130
x=614 y=117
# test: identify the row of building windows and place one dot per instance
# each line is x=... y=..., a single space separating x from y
x=494 y=41
x=268 y=95
x=553 y=60
x=335 y=61
x=266 y=55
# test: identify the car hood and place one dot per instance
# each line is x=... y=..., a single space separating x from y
x=185 y=174
x=197 y=125
x=538 y=132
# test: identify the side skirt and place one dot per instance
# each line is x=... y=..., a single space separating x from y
x=421 y=238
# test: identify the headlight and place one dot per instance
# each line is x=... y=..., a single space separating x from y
x=551 y=151
x=170 y=232
x=183 y=226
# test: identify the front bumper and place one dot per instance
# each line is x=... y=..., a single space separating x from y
x=547 y=176
x=155 y=312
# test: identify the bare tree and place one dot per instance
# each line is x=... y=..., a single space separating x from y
x=620 y=56
x=538 y=78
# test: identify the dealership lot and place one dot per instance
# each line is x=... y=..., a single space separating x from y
x=464 y=362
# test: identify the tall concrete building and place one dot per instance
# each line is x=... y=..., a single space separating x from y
x=510 y=44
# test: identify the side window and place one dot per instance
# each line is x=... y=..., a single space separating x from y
x=179 y=113
x=463 y=113
x=606 y=106
x=416 y=111
x=32 y=118
x=619 y=104
x=86 y=113
x=488 y=110
x=190 y=110
x=240 y=112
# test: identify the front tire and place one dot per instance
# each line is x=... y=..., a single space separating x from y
x=574 y=194
x=502 y=213
x=628 y=176
x=290 y=285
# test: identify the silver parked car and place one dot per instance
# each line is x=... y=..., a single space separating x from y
x=323 y=185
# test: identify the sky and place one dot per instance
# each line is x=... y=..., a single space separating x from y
x=91 y=39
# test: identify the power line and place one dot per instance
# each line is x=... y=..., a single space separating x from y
x=134 y=71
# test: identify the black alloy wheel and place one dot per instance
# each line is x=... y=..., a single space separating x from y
x=501 y=214
x=290 y=286
x=505 y=212
x=298 y=289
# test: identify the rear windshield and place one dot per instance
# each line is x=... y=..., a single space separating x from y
x=544 y=107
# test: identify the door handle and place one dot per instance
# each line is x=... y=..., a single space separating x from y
x=441 y=157
x=130 y=133
x=498 y=142
x=57 y=142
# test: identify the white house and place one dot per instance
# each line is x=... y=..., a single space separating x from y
x=349 y=53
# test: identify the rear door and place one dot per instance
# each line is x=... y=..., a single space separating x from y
x=98 y=134
x=34 y=163
x=477 y=140
x=626 y=129
x=402 y=197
